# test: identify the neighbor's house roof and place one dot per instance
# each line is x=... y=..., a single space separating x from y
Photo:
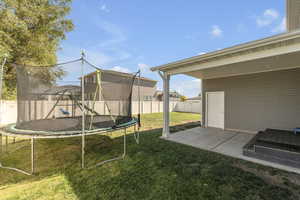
x=120 y=74
x=270 y=46
x=194 y=98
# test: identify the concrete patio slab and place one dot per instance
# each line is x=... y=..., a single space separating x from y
x=234 y=146
x=206 y=138
x=221 y=141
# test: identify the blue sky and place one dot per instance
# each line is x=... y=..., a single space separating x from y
x=133 y=34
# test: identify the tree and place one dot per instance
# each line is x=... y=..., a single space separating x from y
x=183 y=98
x=30 y=32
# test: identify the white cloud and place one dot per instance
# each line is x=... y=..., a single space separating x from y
x=189 y=88
x=272 y=13
x=117 y=35
x=280 y=27
x=216 y=31
x=70 y=52
x=201 y=53
x=104 y=8
x=267 y=18
x=100 y=52
x=98 y=58
x=121 y=69
x=144 y=68
x=112 y=45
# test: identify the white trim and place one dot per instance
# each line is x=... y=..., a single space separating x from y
x=241 y=74
x=206 y=109
x=234 y=59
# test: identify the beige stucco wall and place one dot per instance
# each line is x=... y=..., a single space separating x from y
x=259 y=101
x=144 y=91
x=113 y=90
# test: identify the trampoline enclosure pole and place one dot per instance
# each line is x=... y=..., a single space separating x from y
x=83 y=111
x=32 y=155
x=2 y=75
x=6 y=143
x=1 y=81
x=139 y=98
x=124 y=153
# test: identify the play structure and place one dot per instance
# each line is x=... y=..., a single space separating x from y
x=72 y=99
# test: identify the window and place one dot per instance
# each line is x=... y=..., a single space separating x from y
x=147 y=98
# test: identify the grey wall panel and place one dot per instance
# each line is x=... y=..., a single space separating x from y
x=259 y=101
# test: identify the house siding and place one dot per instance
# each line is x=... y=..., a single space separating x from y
x=259 y=101
x=144 y=91
x=113 y=87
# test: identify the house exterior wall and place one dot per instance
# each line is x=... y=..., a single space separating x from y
x=293 y=15
x=111 y=82
x=259 y=101
x=146 y=92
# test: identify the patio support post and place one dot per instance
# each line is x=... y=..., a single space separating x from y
x=166 y=83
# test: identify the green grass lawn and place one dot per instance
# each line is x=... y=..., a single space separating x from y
x=154 y=169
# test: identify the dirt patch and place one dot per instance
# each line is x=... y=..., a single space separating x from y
x=290 y=181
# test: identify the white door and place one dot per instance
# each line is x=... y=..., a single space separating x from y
x=215 y=109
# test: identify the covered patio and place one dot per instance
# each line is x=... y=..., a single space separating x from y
x=228 y=143
x=245 y=89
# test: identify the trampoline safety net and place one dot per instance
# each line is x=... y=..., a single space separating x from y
x=52 y=98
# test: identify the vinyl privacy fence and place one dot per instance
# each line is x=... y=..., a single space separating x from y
x=40 y=109
x=188 y=106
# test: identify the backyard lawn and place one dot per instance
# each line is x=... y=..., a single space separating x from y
x=154 y=169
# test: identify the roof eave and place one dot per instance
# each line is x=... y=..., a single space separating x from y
x=233 y=49
x=120 y=74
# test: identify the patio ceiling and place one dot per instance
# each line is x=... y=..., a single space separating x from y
x=274 y=53
x=272 y=63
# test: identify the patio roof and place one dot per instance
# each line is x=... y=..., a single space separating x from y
x=252 y=57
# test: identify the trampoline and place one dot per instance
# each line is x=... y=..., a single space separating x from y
x=56 y=102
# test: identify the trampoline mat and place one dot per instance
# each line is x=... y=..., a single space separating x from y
x=72 y=124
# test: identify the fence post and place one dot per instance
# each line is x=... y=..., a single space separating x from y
x=35 y=109
x=104 y=107
x=29 y=107
x=158 y=106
